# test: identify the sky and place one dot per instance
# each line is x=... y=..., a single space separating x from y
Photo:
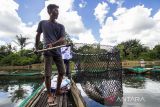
x=108 y=22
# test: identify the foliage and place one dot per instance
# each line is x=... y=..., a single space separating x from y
x=19 y=59
x=89 y=49
x=21 y=41
x=68 y=39
x=156 y=50
x=130 y=50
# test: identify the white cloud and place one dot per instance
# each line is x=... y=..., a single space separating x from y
x=119 y=11
x=85 y=37
x=9 y=19
x=157 y=16
x=2 y=42
x=112 y=1
x=11 y=24
x=118 y=2
x=100 y=12
x=83 y=4
x=133 y=23
x=70 y=19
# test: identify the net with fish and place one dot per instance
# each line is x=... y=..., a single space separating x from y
x=99 y=71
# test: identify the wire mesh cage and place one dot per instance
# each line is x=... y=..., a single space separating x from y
x=95 y=58
x=99 y=71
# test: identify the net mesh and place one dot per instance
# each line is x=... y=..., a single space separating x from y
x=99 y=71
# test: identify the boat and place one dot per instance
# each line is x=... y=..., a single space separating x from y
x=137 y=70
x=39 y=98
x=21 y=74
x=156 y=69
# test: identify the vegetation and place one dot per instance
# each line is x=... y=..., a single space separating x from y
x=9 y=55
x=129 y=50
x=21 y=41
x=134 y=50
x=19 y=59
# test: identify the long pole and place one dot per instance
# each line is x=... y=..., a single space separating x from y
x=48 y=49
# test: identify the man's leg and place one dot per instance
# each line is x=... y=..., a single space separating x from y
x=48 y=73
x=59 y=81
x=61 y=71
x=67 y=67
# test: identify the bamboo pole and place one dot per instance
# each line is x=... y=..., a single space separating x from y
x=48 y=49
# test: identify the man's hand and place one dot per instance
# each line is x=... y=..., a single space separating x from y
x=35 y=51
x=50 y=45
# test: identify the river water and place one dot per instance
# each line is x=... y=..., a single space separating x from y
x=138 y=90
x=14 y=89
x=141 y=91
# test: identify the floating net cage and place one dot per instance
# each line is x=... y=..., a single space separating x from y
x=99 y=71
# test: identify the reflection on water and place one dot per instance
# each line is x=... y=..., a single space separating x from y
x=134 y=81
x=14 y=89
x=141 y=90
x=138 y=90
x=104 y=89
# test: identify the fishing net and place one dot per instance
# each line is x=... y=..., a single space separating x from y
x=99 y=71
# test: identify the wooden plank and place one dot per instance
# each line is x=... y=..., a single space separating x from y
x=60 y=101
x=34 y=98
x=41 y=100
x=64 y=101
x=76 y=95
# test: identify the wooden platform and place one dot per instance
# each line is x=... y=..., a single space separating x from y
x=62 y=100
x=72 y=98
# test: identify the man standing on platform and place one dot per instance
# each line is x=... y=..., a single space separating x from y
x=54 y=35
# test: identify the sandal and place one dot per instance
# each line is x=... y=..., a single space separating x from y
x=51 y=101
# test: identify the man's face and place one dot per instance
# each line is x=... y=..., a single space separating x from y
x=54 y=13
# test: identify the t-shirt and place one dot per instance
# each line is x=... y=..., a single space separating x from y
x=66 y=53
x=52 y=31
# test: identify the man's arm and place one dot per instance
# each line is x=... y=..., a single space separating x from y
x=37 y=40
x=60 y=41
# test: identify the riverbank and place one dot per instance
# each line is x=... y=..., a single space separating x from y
x=26 y=67
x=40 y=66
x=128 y=64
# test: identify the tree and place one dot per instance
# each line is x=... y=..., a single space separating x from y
x=21 y=41
x=67 y=37
x=131 y=49
x=156 y=50
x=6 y=50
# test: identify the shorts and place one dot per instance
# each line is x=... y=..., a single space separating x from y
x=48 y=60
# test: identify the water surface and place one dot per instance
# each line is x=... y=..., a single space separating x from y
x=14 y=89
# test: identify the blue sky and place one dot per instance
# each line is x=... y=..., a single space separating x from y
x=106 y=21
x=29 y=10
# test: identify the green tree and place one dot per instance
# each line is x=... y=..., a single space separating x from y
x=156 y=50
x=6 y=50
x=68 y=39
x=131 y=49
x=21 y=41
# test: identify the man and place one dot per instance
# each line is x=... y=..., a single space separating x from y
x=54 y=35
x=66 y=56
